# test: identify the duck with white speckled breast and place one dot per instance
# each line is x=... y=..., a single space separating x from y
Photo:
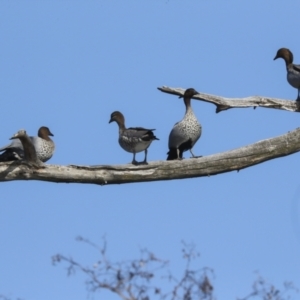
x=185 y=133
x=43 y=144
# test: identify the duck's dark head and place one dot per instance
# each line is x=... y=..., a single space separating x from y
x=118 y=117
x=44 y=133
x=285 y=54
x=189 y=93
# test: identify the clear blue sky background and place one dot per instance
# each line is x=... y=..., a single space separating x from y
x=69 y=64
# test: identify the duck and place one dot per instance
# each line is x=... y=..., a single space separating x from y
x=30 y=153
x=185 y=133
x=133 y=139
x=43 y=144
x=293 y=71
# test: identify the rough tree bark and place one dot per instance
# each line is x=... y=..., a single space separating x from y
x=236 y=159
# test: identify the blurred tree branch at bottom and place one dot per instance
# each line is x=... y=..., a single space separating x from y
x=146 y=277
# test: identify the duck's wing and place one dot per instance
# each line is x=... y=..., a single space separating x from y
x=296 y=68
x=177 y=135
x=11 y=154
x=176 y=138
x=14 y=144
x=142 y=133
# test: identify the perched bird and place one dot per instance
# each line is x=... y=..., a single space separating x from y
x=43 y=144
x=185 y=133
x=135 y=139
x=29 y=150
x=293 y=71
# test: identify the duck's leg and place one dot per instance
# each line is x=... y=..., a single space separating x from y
x=134 y=162
x=298 y=99
x=145 y=160
x=194 y=156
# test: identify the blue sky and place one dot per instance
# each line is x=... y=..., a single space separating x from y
x=69 y=64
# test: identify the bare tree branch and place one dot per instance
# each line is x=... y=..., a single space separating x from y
x=262 y=289
x=130 y=280
x=233 y=160
x=144 y=278
x=227 y=103
x=140 y=279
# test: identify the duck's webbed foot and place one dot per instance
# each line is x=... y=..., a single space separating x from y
x=136 y=163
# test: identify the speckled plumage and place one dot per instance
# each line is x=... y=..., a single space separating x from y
x=133 y=139
x=293 y=71
x=185 y=133
x=42 y=143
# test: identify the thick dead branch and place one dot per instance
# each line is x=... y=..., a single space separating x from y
x=158 y=170
x=227 y=103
